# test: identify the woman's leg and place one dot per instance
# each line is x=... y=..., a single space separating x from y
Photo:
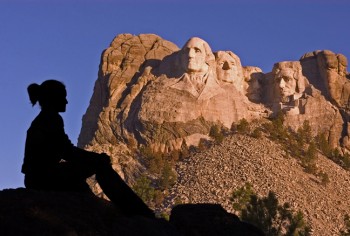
x=66 y=176
x=120 y=193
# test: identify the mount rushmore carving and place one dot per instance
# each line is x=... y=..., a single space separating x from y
x=151 y=92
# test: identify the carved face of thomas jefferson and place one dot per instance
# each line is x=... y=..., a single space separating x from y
x=226 y=67
x=194 y=56
x=229 y=68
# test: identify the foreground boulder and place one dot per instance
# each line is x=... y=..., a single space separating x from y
x=28 y=212
x=209 y=219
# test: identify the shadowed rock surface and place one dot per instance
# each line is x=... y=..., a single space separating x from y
x=209 y=219
x=27 y=212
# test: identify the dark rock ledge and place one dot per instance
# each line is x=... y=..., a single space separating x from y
x=28 y=212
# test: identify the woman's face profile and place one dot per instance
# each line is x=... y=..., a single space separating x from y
x=58 y=101
x=62 y=101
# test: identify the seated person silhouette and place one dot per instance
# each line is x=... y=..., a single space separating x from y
x=53 y=163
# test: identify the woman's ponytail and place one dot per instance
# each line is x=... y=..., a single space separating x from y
x=34 y=93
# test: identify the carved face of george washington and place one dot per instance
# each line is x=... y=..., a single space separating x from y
x=194 y=56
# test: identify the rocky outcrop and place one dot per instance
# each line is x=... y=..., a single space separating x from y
x=122 y=65
x=327 y=71
x=124 y=70
x=149 y=92
x=28 y=212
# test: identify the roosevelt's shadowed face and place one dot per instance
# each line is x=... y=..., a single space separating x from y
x=286 y=82
x=194 y=56
x=253 y=89
x=226 y=68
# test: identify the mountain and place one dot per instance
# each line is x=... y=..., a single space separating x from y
x=148 y=94
x=152 y=101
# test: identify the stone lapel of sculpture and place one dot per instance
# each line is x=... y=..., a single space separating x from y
x=188 y=83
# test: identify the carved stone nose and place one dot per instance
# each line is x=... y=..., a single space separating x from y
x=282 y=83
x=226 y=66
x=191 y=53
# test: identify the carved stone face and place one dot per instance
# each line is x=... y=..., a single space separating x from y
x=226 y=68
x=193 y=56
x=286 y=82
x=252 y=85
x=254 y=90
x=229 y=69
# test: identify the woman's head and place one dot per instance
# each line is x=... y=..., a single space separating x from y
x=51 y=95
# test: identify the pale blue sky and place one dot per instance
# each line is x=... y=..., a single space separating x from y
x=63 y=40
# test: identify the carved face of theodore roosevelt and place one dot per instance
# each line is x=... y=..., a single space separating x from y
x=195 y=55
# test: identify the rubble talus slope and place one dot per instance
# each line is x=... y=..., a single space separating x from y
x=212 y=175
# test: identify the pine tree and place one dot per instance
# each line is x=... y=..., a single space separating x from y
x=143 y=189
x=274 y=219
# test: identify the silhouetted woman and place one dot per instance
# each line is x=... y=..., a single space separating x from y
x=53 y=163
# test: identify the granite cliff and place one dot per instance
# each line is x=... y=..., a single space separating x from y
x=151 y=93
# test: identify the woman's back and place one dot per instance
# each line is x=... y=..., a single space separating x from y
x=46 y=143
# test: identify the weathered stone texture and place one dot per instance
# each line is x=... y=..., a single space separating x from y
x=150 y=92
x=328 y=72
x=121 y=66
